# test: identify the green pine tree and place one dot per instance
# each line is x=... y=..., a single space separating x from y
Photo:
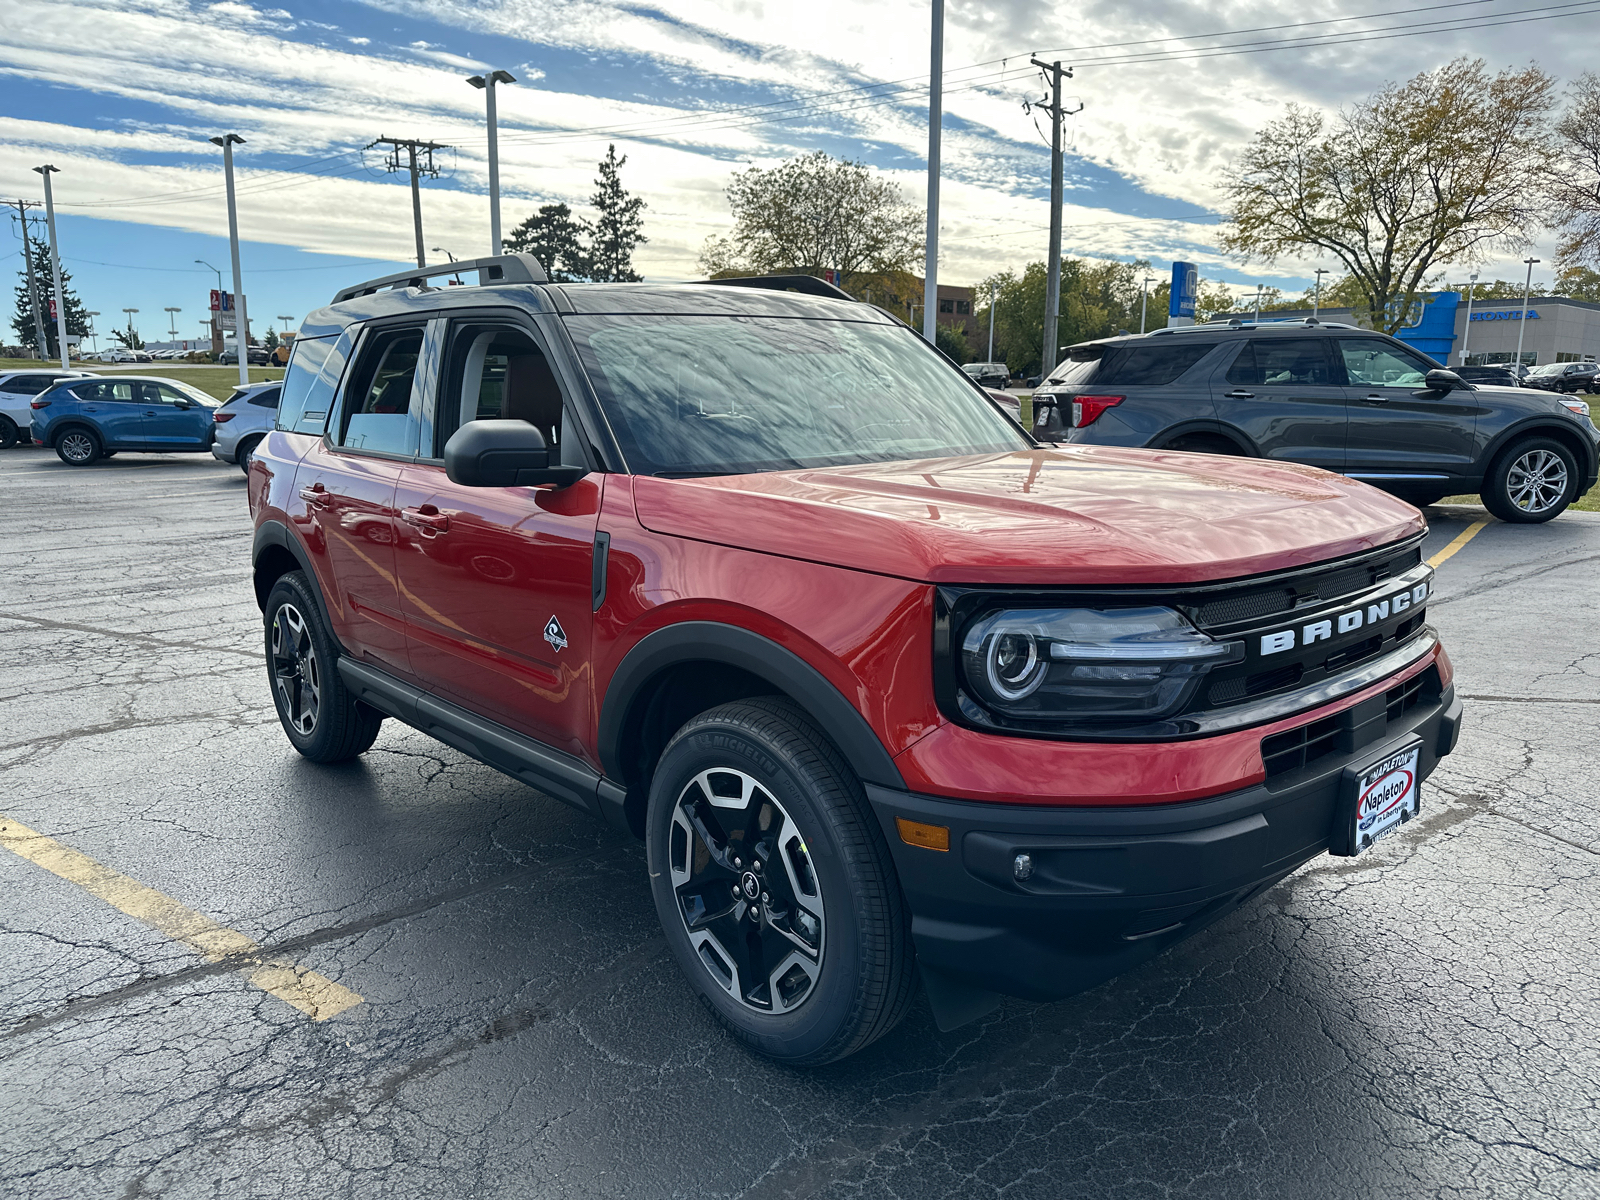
x=556 y=239
x=22 y=322
x=616 y=227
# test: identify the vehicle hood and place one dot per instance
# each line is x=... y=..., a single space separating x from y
x=1073 y=515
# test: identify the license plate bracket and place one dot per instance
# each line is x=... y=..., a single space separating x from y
x=1376 y=798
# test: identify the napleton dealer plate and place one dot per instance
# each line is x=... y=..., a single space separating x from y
x=1387 y=793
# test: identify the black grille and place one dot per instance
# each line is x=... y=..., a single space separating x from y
x=1246 y=605
x=1295 y=748
x=1402 y=699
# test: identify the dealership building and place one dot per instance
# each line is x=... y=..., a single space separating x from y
x=1555 y=329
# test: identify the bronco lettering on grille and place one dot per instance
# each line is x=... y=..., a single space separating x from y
x=1347 y=622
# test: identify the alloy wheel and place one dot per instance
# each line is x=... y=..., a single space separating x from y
x=296 y=670
x=1537 y=481
x=77 y=447
x=747 y=891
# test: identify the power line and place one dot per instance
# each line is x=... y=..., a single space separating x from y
x=418 y=162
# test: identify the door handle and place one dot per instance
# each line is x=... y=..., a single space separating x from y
x=316 y=495
x=427 y=518
x=1239 y=394
x=1377 y=399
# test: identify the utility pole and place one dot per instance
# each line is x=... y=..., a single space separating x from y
x=417 y=167
x=930 y=285
x=1316 y=300
x=1527 y=289
x=1144 y=299
x=486 y=83
x=1466 y=328
x=55 y=265
x=241 y=319
x=991 y=323
x=1054 y=73
x=1259 y=289
x=22 y=207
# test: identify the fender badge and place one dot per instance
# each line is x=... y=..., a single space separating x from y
x=555 y=635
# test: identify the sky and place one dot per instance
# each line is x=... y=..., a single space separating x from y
x=123 y=95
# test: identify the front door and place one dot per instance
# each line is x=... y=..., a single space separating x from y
x=345 y=489
x=1280 y=392
x=173 y=421
x=1400 y=432
x=496 y=583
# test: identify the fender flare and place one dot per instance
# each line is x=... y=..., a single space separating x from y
x=1533 y=427
x=276 y=534
x=1214 y=428
x=703 y=641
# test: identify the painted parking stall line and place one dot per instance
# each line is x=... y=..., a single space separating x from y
x=317 y=996
x=1465 y=536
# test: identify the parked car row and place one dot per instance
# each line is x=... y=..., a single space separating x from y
x=17 y=390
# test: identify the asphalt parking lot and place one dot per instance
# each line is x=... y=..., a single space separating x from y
x=453 y=987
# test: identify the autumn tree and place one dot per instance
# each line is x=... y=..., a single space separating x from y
x=557 y=240
x=1575 y=176
x=815 y=214
x=1425 y=173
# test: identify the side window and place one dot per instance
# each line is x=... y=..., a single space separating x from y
x=1282 y=362
x=379 y=412
x=1375 y=363
x=171 y=395
x=497 y=372
x=27 y=385
x=1151 y=364
x=266 y=398
x=105 y=391
x=315 y=368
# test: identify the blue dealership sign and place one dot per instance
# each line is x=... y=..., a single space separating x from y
x=1503 y=314
x=1185 y=284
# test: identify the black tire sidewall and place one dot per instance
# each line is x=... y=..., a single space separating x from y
x=818 y=1024
x=1496 y=497
x=244 y=452
x=94 y=439
x=344 y=727
x=10 y=434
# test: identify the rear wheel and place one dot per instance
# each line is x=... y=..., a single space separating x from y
x=323 y=720
x=78 y=447
x=245 y=453
x=8 y=433
x=1203 y=443
x=1532 y=481
x=774 y=885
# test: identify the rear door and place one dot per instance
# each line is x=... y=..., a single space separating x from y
x=1281 y=392
x=114 y=407
x=346 y=485
x=497 y=584
x=1399 y=430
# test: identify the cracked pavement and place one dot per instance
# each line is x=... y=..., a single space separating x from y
x=1417 y=1022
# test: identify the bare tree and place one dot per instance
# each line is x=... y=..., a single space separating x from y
x=814 y=214
x=1575 y=177
x=1432 y=171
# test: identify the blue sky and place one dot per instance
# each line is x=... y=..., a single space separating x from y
x=122 y=94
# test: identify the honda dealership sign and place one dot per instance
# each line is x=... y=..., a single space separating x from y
x=1185 y=286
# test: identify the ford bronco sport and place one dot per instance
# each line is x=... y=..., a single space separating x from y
x=891 y=692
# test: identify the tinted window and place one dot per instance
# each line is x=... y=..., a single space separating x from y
x=105 y=391
x=1267 y=362
x=1078 y=369
x=28 y=385
x=310 y=382
x=1378 y=363
x=1150 y=364
x=712 y=394
x=379 y=411
x=266 y=398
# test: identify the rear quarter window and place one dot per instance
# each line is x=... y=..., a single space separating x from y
x=266 y=398
x=1150 y=364
x=309 y=383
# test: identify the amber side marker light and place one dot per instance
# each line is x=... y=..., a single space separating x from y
x=929 y=837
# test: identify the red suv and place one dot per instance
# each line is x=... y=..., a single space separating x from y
x=890 y=691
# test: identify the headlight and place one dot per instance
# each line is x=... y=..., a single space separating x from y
x=1078 y=664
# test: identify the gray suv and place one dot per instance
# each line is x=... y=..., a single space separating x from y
x=243 y=420
x=1349 y=400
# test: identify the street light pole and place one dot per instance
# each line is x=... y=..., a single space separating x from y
x=1466 y=329
x=1527 y=289
x=133 y=335
x=1316 y=300
x=486 y=83
x=1144 y=299
x=930 y=285
x=241 y=320
x=209 y=267
x=92 y=338
x=172 y=321
x=55 y=264
x=1259 y=288
x=992 y=291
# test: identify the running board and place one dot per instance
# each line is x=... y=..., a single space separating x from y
x=563 y=776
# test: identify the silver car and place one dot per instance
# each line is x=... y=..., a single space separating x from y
x=243 y=420
x=17 y=390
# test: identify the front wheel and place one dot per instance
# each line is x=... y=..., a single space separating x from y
x=1532 y=481
x=323 y=720
x=8 y=433
x=774 y=885
x=78 y=447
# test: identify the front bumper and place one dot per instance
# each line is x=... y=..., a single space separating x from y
x=1112 y=887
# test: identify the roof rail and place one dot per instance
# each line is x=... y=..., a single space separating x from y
x=1237 y=323
x=498 y=268
x=810 y=285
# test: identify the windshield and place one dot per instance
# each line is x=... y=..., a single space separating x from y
x=703 y=395
x=1547 y=369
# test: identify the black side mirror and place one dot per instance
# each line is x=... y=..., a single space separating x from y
x=183 y=404
x=1440 y=380
x=503 y=454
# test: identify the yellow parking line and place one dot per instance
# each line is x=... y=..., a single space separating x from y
x=1466 y=535
x=315 y=995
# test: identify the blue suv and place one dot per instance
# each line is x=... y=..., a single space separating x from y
x=86 y=420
